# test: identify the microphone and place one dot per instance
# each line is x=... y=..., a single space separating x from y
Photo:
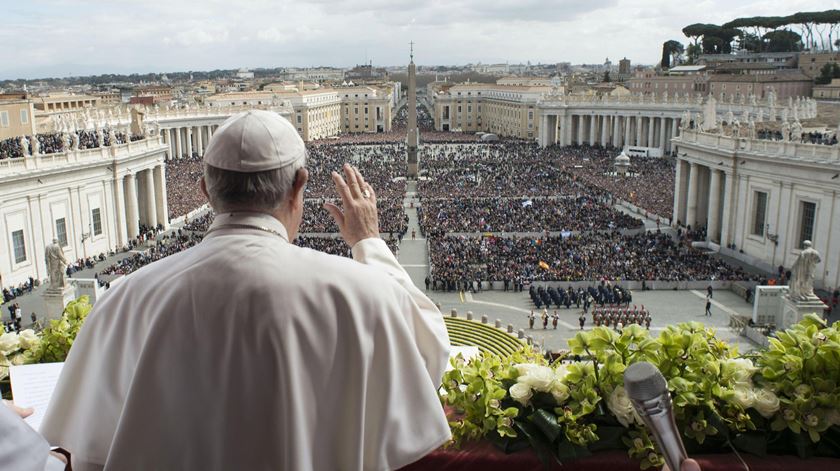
x=648 y=391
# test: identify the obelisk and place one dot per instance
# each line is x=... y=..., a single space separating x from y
x=412 y=138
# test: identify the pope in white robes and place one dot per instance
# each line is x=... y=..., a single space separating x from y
x=247 y=352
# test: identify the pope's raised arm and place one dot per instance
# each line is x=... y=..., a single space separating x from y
x=359 y=226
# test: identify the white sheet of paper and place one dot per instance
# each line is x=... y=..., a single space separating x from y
x=32 y=386
x=466 y=352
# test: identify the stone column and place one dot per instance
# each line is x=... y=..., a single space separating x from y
x=679 y=196
x=691 y=207
x=593 y=124
x=165 y=137
x=616 y=134
x=662 y=137
x=714 y=208
x=580 y=130
x=650 y=128
x=189 y=142
x=132 y=211
x=179 y=150
x=122 y=232
x=674 y=127
x=199 y=140
x=604 y=127
x=638 y=131
x=725 y=230
x=160 y=196
x=626 y=121
x=543 y=134
x=151 y=206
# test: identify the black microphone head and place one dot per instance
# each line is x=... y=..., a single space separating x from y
x=643 y=381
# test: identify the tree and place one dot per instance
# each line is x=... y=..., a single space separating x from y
x=828 y=72
x=669 y=48
x=606 y=76
x=782 y=41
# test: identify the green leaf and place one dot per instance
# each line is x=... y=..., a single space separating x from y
x=568 y=451
x=538 y=442
x=753 y=443
x=547 y=423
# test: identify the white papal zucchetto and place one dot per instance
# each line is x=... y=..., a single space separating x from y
x=254 y=141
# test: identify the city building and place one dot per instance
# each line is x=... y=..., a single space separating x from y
x=829 y=91
x=314 y=74
x=63 y=102
x=92 y=201
x=365 y=109
x=158 y=94
x=17 y=115
x=316 y=112
x=506 y=110
x=811 y=63
x=760 y=199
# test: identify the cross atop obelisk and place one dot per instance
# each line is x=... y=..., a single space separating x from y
x=412 y=138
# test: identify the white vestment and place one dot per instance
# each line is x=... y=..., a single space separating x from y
x=247 y=352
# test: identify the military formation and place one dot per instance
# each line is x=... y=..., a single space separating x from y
x=610 y=306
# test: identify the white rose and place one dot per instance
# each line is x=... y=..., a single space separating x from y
x=16 y=360
x=521 y=393
x=28 y=339
x=9 y=343
x=744 y=397
x=766 y=402
x=560 y=392
x=524 y=368
x=742 y=369
x=620 y=405
x=540 y=378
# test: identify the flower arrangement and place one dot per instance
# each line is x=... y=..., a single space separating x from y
x=782 y=399
x=50 y=345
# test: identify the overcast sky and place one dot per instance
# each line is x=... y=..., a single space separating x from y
x=41 y=38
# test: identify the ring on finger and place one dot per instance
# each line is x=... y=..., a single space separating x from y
x=366 y=194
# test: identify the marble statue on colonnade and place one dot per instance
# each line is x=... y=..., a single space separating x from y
x=36 y=145
x=56 y=265
x=771 y=97
x=751 y=129
x=24 y=145
x=802 y=273
x=710 y=114
x=785 y=131
x=730 y=117
x=796 y=131
x=736 y=129
x=753 y=100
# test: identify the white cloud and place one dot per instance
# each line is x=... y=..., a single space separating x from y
x=209 y=34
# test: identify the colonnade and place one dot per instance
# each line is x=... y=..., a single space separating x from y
x=616 y=130
x=185 y=140
x=702 y=198
x=140 y=200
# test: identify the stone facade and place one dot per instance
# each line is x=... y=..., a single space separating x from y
x=761 y=199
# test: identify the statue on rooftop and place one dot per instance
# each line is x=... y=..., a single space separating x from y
x=36 y=145
x=24 y=145
x=56 y=265
x=785 y=131
x=796 y=131
x=751 y=133
x=802 y=273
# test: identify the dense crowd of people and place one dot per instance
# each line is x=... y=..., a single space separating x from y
x=523 y=169
x=592 y=256
x=334 y=245
x=54 y=143
x=183 y=193
x=438 y=216
x=166 y=246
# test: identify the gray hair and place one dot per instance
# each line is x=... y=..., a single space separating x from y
x=258 y=191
